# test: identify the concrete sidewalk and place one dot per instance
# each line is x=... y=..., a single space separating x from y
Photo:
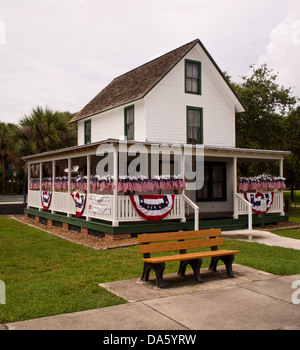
x=252 y=300
x=263 y=237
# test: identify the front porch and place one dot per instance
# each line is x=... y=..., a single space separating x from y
x=110 y=209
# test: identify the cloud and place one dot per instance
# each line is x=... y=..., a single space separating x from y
x=62 y=53
x=282 y=53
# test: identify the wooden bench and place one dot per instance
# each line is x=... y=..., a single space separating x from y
x=170 y=241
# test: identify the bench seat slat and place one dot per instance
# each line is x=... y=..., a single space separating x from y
x=189 y=256
x=164 y=247
x=168 y=236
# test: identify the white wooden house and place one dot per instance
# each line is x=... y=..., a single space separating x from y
x=179 y=98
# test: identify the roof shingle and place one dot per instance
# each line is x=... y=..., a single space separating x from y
x=134 y=84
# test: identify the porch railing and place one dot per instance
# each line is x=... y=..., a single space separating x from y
x=196 y=209
x=276 y=207
x=63 y=202
x=244 y=207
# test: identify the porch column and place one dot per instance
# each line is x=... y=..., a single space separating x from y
x=53 y=179
x=115 y=195
x=182 y=201
x=69 y=183
x=88 y=175
x=41 y=178
x=281 y=192
x=235 y=204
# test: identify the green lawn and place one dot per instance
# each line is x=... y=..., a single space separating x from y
x=46 y=275
x=287 y=195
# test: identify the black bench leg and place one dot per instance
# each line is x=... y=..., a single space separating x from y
x=213 y=263
x=227 y=260
x=195 y=264
x=158 y=269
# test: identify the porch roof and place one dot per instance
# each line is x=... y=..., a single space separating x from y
x=209 y=150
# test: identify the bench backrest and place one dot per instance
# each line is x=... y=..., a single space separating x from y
x=167 y=241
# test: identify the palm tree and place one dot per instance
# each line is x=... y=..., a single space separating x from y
x=44 y=130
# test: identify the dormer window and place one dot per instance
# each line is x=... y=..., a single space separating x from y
x=193 y=77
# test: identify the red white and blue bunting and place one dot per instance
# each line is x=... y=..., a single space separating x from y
x=46 y=199
x=261 y=183
x=79 y=200
x=255 y=200
x=153 y=207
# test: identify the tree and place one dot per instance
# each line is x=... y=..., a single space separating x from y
x=7 y=156
x=44 y=130
x=267 y=103
x=263 y=124
x=293 y=145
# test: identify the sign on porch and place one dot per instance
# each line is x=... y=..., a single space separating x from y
x=153 y=207
x=100 y=203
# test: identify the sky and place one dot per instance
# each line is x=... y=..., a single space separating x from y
x=61 y=53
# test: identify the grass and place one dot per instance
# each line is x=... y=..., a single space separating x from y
x=294 y=233
x=287 y=195
x=46 y=275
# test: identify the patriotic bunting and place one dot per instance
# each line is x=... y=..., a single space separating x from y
x=255 y=200
x=79 y=200
x=261 y=183
x=106 y=183
x=46 y=199
x=153 y=207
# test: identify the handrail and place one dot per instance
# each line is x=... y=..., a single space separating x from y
x=249 y=205
x=196 y=208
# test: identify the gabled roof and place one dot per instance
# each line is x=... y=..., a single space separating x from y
x=136 y=83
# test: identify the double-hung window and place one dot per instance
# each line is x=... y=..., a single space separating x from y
x=194 y=121
x=87 y=132
x=193 y=77
x=129 y=122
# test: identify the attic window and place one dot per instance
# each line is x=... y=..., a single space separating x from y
x=193 y=77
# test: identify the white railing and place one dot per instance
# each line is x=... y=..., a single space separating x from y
x=63 y=202
x=244 y=207
x=196 y=209
x=127 y=212
x=276 y=206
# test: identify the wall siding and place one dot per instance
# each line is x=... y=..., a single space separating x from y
x=166 y=107
x=110 y=124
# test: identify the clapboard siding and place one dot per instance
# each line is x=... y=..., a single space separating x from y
x=167 y=102
x=110 y=124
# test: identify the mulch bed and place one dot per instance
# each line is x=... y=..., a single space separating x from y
x=281 y=226
x=98 y=243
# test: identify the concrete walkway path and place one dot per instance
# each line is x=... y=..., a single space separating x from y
x=253 y=300
x=263 y=237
